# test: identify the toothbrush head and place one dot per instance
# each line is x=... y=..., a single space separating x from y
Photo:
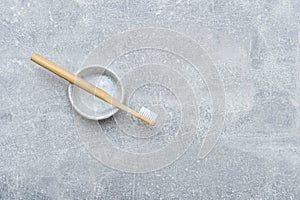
x=150 y=115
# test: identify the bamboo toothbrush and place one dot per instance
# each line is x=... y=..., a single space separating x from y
x=144 y=114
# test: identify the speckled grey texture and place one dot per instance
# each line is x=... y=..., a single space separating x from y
x=255 y=47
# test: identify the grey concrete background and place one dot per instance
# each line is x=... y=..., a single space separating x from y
x=255 y=46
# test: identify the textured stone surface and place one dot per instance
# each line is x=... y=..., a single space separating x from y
x=254 y=45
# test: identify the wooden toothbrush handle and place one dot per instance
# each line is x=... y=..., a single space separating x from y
x=69 y=76
x=47 y=64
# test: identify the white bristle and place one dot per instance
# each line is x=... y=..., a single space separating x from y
x=148 y=113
